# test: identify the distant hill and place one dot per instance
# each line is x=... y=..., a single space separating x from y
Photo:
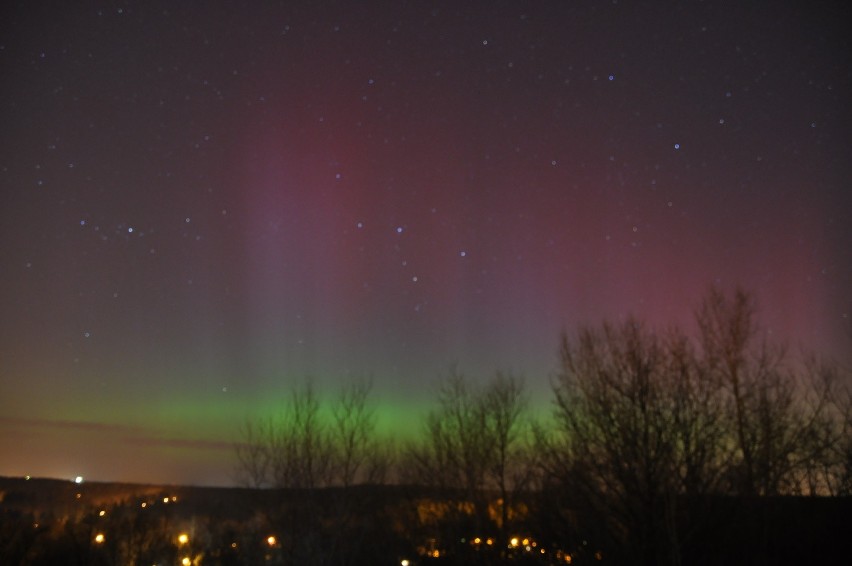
x=63 y=497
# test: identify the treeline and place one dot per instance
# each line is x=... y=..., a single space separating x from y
x=650 y=431
x=660 y=447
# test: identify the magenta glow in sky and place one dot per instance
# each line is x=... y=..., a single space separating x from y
x=202 y=204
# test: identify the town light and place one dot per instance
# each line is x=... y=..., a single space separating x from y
x=99 y=538
x=183 y=538
x=271 y=540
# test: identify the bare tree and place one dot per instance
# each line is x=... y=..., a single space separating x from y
x=254 y=453
x=306 y=446
x=309 y=445
x=477 y=442
x=300 y=447
x=700 y=426
x=825 y=439
x=843 y=450
x=512 y=459
x=454 y=452
x=359 y=454
x=646 y=421
x=614 y=449
x=780 y=414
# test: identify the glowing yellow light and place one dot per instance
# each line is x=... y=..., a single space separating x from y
x=489 y=541
x=477 y=540
x=79 y=495
x=436 y=554
x=183 y=538
x=99 y=538
x=568 y=559
x=174 y=498
x=102 y=513
x=271 y=540
x=514 y=541
x=165 y=500
x=404 y=562
x=186 y=561
x=144 y=505
x=526 y=542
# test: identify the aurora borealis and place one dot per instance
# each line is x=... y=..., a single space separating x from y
x=203 y=203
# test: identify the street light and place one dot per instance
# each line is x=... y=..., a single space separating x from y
x=99 y=538
x=183 y=538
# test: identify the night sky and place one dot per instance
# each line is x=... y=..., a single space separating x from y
x=201 y=203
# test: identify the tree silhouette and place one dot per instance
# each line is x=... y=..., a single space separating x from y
x=780 y=412
x=615 y=446
x=477 y=444
x=648 y=424
x=512 y=462
x=319 y=452
x=359 y=456
x=304 y=446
